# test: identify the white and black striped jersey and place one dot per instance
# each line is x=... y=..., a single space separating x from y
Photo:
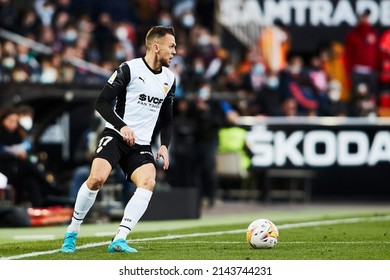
x=137 y=96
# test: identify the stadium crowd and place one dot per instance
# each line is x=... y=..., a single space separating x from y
x=82 y=42
x=346 y=78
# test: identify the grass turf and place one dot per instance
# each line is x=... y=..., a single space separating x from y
x=360 y=240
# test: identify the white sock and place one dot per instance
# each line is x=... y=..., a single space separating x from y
x=134 y=210
x=84 y=201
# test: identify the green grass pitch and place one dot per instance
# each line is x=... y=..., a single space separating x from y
x=324 y=235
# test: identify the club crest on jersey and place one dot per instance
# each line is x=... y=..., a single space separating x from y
x=166 y=88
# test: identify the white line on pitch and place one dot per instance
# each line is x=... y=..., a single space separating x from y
x=284 y=242
x=38 y=237
x=169 y=237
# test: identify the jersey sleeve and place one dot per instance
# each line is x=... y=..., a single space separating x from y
x=115 y=85
x=166 y=117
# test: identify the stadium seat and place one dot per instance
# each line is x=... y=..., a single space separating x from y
x=229 y=167
x=288 y=184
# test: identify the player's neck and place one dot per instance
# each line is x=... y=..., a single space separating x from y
x=152 y=62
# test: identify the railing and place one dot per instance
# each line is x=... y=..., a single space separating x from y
x=43 y=49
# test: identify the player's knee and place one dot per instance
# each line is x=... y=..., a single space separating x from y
x=147 y=183
x=95 y=182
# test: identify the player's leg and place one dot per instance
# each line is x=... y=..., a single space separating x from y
x=86 y=197
x=144 y=177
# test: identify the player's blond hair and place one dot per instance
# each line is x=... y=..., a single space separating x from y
x=157 y=32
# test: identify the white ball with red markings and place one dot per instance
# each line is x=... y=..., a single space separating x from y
x=262 y=234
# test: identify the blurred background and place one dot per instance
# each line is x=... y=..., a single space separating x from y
x=276 y=101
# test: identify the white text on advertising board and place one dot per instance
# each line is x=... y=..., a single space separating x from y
x=300 y=148
x=303 y=12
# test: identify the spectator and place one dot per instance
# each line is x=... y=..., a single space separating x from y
x=289 y=107
x=183 y=145
x=29 y=22
x=267 y=100
x=48 y=38
x=45 y=9
x=126 y=36
x=8 y=60
x=203 y=46
x=362 y=56
x=183 y=12
x=274 y=43
x=209 y=116
x=295 y=83
x=205 y=10
x=104 y=36
x=384 y=51
x=254 y=80
x=26 y=122
x=27 y=60
x=319 y=80
x=32 y=187
x=7 y=15
x=364 y=103
x=50 y=73
x=165 y=18
x=337 y=107
x=333 y=63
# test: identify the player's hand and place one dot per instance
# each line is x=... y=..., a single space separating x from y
x=163 y=152
x=128 y=135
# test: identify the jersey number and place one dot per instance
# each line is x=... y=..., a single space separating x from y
x=104 y=141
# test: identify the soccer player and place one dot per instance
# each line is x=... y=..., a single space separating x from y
x=136 y=100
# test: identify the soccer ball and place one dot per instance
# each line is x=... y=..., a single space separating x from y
x=262 y=234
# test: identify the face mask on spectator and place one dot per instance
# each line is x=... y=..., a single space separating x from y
x=204 y=93
x=9 y=62
x=120 y=55
x=48 y=9
x=295 y=69
x=258 y=69
x=165 y=21
x=334 y=90
x=121 y=33
x=334 y=95
x=199 y=69
x=188 y=20
x=23 y=58
x=273 y=82
x=26 y=122
x=204 y=40
x=70 y=36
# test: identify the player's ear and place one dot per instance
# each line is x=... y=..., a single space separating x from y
x=155 y=48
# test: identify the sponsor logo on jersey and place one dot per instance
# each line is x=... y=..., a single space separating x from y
x=142 y=79
x=151 y=101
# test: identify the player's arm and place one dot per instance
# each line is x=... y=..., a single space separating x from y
x=115 y=85
x=166 y=125
x=166 y=117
